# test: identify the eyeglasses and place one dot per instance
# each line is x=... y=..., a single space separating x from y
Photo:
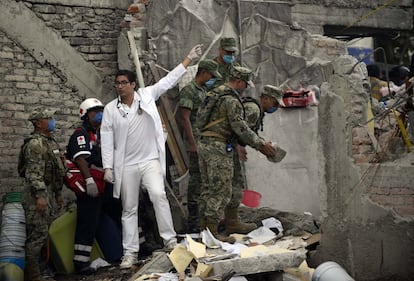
x=121 y=83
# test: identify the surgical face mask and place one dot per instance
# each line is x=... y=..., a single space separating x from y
x=98 y=117
x=239 y=91
x=51 y=125
x=210 y=82
x=272 y=109
x=228 y=59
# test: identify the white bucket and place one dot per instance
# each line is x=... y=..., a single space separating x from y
x=330 y=271
x=13 y=234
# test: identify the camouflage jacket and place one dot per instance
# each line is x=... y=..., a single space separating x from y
x=191 y=97
x=234 y=127
x=44 y=168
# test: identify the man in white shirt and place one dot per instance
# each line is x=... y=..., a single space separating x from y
x=133 y=153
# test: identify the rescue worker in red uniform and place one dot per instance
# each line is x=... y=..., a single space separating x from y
x=84 y=149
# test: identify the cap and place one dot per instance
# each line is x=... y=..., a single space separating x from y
x=275 y=92
x=41 y=113
x=242 y=73
x=211 y=66
x=228 y=44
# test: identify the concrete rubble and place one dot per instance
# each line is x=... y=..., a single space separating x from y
x=283 y=257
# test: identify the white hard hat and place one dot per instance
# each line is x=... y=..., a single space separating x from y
x=89 y=104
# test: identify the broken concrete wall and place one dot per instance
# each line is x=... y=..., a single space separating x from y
x=369 y=222
x=356 y=14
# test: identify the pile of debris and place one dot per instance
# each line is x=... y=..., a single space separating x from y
x=273 y=248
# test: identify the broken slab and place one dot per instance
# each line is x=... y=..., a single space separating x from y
x=159 y=263
x=259 y=264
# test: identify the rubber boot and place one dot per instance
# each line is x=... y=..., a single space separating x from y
x=218 y=236
x=233 y=223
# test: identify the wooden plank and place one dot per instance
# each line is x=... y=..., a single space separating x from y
x=135 y=56
x=174 y=141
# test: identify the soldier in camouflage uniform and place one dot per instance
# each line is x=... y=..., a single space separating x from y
x=225 y=59
x=190 y=98
x=215 y=150
x=43 y=172
x=270 y=101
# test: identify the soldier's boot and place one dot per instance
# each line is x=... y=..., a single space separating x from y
x=32 y=273
x=233 y=223
x=217 y=235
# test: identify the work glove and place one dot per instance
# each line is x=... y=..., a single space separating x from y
x=91 y=187
x=195 y=52
x=108 y=176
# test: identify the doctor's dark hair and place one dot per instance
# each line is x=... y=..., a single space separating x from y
x=132 y=76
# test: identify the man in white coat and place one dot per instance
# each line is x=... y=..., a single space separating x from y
x=133 y=153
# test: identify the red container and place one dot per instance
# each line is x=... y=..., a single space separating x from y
x=295 y=98
x=251 y=198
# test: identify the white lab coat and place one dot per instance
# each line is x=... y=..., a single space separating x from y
x=114 y=127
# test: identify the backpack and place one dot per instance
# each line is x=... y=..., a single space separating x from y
x=259 y=122
x=206 y=109
x=21 y=165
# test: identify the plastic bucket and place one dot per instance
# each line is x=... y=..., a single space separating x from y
x=330 y=271
x=251 y=198
x=13 y=231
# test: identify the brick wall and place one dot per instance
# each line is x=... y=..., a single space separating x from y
x=399 y=199
x=25 y=83
x=93 y=32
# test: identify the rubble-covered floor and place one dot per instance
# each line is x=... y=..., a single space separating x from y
x=293 y=225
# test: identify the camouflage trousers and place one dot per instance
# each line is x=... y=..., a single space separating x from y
x=194 y=189
x=217 y=170
x=37 y=227
x=238 y=182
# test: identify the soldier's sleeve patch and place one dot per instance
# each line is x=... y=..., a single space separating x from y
x=81 y=140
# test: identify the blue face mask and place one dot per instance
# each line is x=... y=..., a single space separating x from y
x=210 y=82
x=272 y=109
x=98 y=117
x=239 y=91
x=51 y=125
x=228 y=59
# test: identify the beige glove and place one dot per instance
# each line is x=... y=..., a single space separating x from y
x=91 y=187
x=108 y=176
x=195 y=52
